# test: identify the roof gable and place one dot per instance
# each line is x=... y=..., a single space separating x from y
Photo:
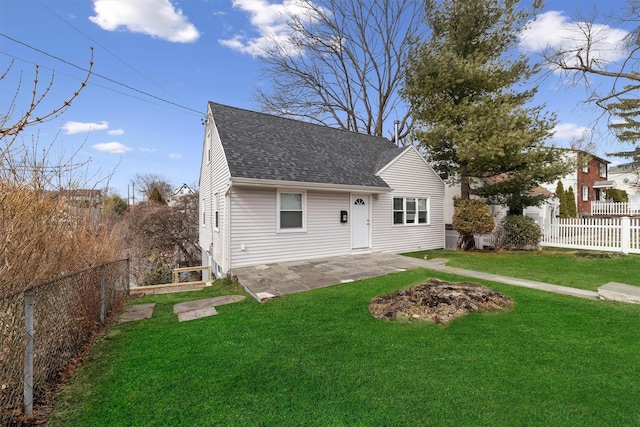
x=266 y=147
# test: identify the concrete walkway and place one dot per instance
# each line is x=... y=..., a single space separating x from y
x=438 y=264
x=272 y=280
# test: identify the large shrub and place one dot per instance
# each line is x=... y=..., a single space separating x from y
x=471 y=217
x=517 y=232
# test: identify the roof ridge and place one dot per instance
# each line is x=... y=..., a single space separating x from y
x=272 y=115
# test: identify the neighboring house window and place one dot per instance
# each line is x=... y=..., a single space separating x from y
x=603 y=169
x=291 y=210
x=216 y=213
x=585 y=193
x=410 y=210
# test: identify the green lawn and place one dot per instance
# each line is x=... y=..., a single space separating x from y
x=319 y=358
x=577 y=269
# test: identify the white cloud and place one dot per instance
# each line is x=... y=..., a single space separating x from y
x=112 y=147
x=115 y=132
x=268 y=20
x=556 y=32
x=157 y=18
x=79 y=127
x=569 y=131
x=175 y=156
x=147 y=150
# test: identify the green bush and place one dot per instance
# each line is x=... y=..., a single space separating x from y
x=157 y=276
x=471 y=217
x=617 y=195
x=518 y=232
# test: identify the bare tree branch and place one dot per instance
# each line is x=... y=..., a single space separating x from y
x=342 y=65
x=29 y=117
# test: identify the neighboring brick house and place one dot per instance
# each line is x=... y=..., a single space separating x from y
x=592 y=181
x=588 y=181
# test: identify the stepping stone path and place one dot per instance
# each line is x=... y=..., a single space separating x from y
x=136 y=312
x=188 y=310
x=191 y=310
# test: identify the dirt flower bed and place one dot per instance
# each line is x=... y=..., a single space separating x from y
x=437 y=301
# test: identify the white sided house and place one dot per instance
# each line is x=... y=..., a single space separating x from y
x=274 y=189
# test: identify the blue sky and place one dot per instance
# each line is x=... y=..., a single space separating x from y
x=158 y=62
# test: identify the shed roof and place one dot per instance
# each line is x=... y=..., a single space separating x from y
x=267 y=147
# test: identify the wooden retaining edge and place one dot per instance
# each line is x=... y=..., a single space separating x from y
x=168 y=288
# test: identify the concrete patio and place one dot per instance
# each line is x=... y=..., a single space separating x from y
x=273 y=280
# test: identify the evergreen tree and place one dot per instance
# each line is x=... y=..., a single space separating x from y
x=116 y=204
x=570 y=200
x=628 y=109
x=472 y=121
x=562 y=198
x=156 y=197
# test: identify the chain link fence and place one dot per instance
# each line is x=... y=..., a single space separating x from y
x=42 y=329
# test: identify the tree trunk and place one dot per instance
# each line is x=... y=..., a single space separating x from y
x=466 y=242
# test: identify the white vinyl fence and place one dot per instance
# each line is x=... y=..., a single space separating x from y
x=604 y=234
x=614 y=208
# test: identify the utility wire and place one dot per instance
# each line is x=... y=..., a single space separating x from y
x=104 y=48
x=102 y=76
x=79 y=79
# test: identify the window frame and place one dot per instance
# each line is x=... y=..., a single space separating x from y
x=204 y=211
x=303 y=210
x=602 y=167
x=415 y=211
x=585 y=193
x=216 y=212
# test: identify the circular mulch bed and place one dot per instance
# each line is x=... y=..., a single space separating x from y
x=438 y=302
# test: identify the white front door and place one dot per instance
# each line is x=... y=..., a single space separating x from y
x=359 y=221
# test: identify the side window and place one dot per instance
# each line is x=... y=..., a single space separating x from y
x=216 y=212
x=204 y=211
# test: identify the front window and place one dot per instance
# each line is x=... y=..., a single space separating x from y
x=410 y=210
x=291 y=211
x=585 y=193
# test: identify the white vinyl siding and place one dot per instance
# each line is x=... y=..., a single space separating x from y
x=214 y=181
x=255 y=238
x=411 y=179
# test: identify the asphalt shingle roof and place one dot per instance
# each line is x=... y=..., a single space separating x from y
x=263 y=146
